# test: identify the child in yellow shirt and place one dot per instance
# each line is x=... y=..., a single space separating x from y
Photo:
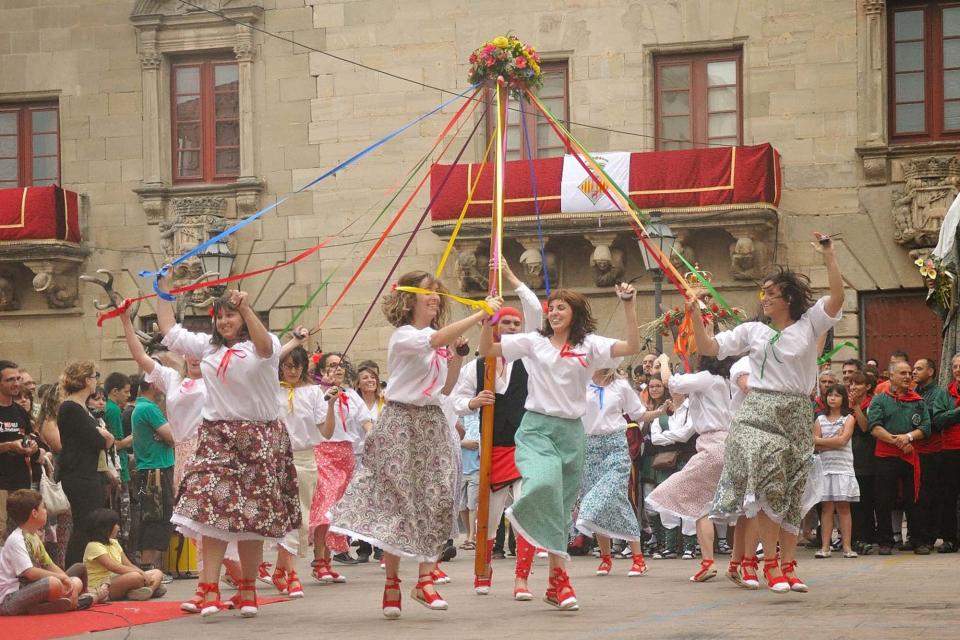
x=107 y=563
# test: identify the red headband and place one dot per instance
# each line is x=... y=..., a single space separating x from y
x=509 y=311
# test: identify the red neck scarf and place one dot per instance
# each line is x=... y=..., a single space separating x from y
x=909 y=395
x=225 y=363
x=567 y=352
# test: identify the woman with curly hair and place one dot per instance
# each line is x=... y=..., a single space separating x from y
x=769 y=450
x=402 y=499
x=560 y=360
x=241 y=484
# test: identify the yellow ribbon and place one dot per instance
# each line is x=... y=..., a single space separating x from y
x=290 y=392
x=463 y=212
x=473 y=304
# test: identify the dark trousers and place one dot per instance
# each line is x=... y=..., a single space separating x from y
x=891 y=474
x=502 y=536
x=950 y=477
x=85 y=495
x=925 y=527
x=156 y=504
x=864 y=512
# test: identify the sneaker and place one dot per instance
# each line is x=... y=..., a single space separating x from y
x=837 y=544
x=166 y=579
x=449 y=552
x=670 y=554
x=722 y=547
x=378 y=554
x=885 y=550
x=363 y=558
x=626 y=553
x=850 y=554
x=657 y=555
x=498 y=555
x=922 y=550
x=345 y=558
x=510 y=553
x=688 y=554
x=866 y=549
x=85 y=601
x=947 y=547
x=140 y=594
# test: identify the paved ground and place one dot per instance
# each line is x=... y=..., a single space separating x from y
x=896 y=597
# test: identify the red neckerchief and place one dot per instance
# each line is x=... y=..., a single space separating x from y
x=567 y=352
x=907 y=396
x=954 y=391
x=441 y=352
x=225 y=363
x=866 y=402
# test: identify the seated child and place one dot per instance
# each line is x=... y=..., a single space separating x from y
x=108 y=565
x=29 y=580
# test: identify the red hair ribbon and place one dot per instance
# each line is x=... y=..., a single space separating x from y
x=567 y=352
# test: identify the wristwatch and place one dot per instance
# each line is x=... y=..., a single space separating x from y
x=910 y=437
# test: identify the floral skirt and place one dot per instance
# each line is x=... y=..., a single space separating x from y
x=402 y=500
x=182 y=453
x=334 y=469
x=768 y=460
x=685 y=496
x=605 y=507
x=240 y=484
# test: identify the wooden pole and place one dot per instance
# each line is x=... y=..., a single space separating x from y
x=490 y=364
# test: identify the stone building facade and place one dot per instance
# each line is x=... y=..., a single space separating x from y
x=812 y=77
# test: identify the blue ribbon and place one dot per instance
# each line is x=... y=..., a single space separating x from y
x=599 y=390
x=536 y=204
x=165 y=269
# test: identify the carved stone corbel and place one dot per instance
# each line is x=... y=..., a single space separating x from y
x=533 y=267
x=55 y=281
x=682 y=246
x=606 y=262
x=749 y=256
x=471 y=269
x=9 y=298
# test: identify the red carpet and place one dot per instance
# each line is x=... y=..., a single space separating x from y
x=113 y=615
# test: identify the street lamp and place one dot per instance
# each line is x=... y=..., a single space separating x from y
x=658 y=235
x=217 y=258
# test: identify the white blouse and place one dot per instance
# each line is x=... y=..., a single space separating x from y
x=350 y=407
x=785 y=362
x=417 y=370
x=739 y=369
x=680 y=427
x=709 y=397
x=606 y=406
x=185 y=400
x=557 y=377
x=240 y=385
x=309 y=410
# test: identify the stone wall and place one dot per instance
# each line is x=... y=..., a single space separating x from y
x=310 y=111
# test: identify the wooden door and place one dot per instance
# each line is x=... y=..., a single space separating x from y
x=898 y=321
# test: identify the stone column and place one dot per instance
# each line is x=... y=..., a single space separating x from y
x=150 y=62
x=873 y=89
x=244 y=51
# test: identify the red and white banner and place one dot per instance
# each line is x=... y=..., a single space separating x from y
x=579 y=193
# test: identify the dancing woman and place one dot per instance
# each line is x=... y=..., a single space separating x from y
x=241 y=484
x=605 y=509
x=560 y=360
x=769 y=451
x=685 y=497
x=402 y=499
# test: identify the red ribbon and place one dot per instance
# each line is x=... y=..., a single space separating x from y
x=443 y=353
x=567 y=352
x=125 y=305
x=344 y=408
x=225 y=363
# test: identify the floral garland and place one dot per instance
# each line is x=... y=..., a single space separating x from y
x=508 y=58
x=670 y=321
x=938 y=279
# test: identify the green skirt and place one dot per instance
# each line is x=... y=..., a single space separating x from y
x=549 y=456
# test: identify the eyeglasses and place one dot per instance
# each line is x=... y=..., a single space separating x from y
x=96 y=375
x=291 y=366
x=765 y=296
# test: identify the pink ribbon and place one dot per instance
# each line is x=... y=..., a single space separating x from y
x=443 y=353
x=225 y=363
x=567 y=352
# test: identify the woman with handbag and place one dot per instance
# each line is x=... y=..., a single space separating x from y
x=83 y=440
x=684 y=498
x=769 y=452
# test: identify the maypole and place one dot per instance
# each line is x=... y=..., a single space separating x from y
x=490 y=363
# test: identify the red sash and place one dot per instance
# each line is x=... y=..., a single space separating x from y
x=951 y=435
x=503 y=467
x=933 y=444
x=886 y=450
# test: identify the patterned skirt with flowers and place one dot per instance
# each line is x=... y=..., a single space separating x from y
x=605 y=507
x=402 y=500
x=241 y=483
x=335 y=464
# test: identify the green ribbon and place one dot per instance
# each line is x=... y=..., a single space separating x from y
x=825 y=358
x=709 y=287
x=770 y=348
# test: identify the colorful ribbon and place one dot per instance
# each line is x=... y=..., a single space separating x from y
x=567 y=352
x=771 y=348
x=403 y=209
x=125 y=305
x=343 y=408
x=227 y=359
x=599 y=390
x=246 y=221
x=706 y=285
x=438 y=354
x=825 y=358
x=473 y=304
